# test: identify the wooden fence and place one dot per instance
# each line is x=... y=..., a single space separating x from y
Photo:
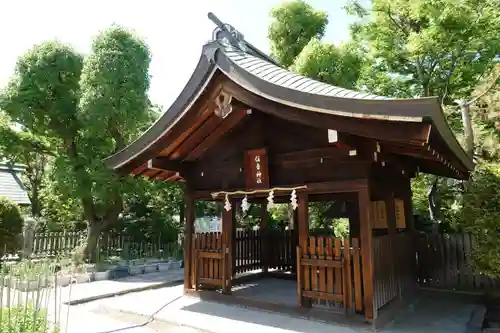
x=445 y=262
x=63 y=243
x=394 y=268
x=250 y=246
x=248 y=256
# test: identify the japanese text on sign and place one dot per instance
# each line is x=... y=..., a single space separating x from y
x=258 y=173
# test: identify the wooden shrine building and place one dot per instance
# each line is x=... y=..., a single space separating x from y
x=244 y=130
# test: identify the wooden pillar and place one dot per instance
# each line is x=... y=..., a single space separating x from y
x=233 y=241
x=188 y=238
x=303 y=231
x=264 y=231
x=303 y=217
x=227 y=241
x=296 y=239
x=366 y=238
x=391 y=230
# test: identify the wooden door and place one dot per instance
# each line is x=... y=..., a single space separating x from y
x=328 y=273
x=210 y=261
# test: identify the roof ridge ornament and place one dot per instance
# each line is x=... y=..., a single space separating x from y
x=227 y=34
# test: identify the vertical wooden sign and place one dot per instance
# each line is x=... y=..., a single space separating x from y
x=256 y=169
x=379 y=215
x=399 y=208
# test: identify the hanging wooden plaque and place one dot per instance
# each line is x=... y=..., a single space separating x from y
x=256 y=169
x=379 y=215
x=399 y=208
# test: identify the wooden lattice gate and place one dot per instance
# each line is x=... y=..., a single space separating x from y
x=329 y=273
x=209 y=261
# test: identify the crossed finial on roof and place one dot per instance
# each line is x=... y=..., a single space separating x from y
x=227 y=34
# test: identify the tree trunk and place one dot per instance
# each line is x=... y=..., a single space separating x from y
x=468 y=131
x=93 y=232
x=431 y=200
x=36 y=208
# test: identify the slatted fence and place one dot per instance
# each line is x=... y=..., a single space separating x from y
x=53 y=244
x=209 y=264
x=282 y=249
x=249 y=245
x=445 y=262
x=329 y=273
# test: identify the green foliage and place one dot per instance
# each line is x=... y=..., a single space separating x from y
x=480 y=216
x=294 y=24
x=43 y=93
x=114 y=86
x=328 y=63
x=24 y=318
x=424 y=48
x=11 y=226
x=87 y=108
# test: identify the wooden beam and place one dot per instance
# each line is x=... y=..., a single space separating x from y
x=264 y=231
x=164 y=164
x=227 y=124
x=140 y=170
x=340 y=186
x=227 y=241
x=370 y=128
x=197 y=137
x=366 y=236
x=391 y=231
x=188 y=238
x=303 y=231
x=190 y=124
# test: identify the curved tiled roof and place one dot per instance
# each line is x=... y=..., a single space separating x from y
x=254 y=71
x=282 y=77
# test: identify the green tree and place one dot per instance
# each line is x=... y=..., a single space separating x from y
x=294 y=24
x=90 y=108
x=11 y=226
x=338 y=65
x=20 y=146
x=427 y=48
x=431 y=48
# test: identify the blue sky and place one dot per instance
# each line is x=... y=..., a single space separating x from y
x=174 y=30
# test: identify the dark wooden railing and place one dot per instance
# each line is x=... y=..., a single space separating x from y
x=394 y=268
x=248 y=256
x=281 y=248
x=445 y=262
x=250 y=246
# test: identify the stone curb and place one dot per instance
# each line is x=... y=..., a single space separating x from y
x=124 y=292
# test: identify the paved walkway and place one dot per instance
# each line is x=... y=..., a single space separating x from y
x=176 y=313
x=83 y=321
x=173 y=308
x=428 y=315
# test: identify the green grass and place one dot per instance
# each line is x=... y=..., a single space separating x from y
x=24 y=318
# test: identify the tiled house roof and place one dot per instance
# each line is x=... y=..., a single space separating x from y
x=11 y=185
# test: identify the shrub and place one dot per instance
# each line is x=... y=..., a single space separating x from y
x=24 y=318
x=11 y=226
x=480 y=215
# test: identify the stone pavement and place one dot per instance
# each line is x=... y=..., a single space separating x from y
x=434 y=314
x=209 y=316
x=428 y=315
